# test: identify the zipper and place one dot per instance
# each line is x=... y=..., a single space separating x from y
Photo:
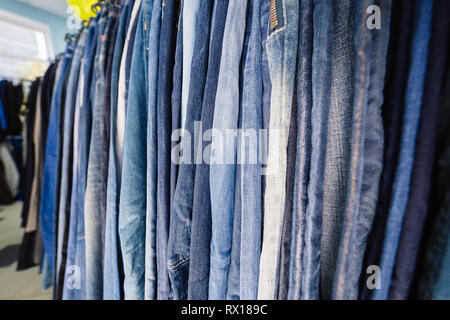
x=273 y=14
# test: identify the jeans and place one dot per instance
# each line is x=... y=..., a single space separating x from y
x=112 y=268
x=82 y=135
x=152 y=86
x=163 y=115
x=96 y=182
x=180 y=219
x=190 y=14
x=424 y=156
x=413 y=98
x=304 y=102
x=338 y=143
x=50 y=183
x=132 y=206
x=201 y=228
x=250 y=175
x=66 y=166
x=222 y=176
x=282 y=45
x=392 y=111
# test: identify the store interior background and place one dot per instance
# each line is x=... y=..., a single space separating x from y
x=52 y=20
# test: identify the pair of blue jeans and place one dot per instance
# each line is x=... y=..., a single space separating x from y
x=66 y=166
x=201 y=228
x=152 y=89
x=96 y=182
x=132 y=205
x=366 y=151
x=222 y=176
x=113 y=269
x=167 y=46
x=180 y=219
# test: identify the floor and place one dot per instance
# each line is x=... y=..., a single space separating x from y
x=16 y=285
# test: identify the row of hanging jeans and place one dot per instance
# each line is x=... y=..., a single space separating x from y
x=250 y=149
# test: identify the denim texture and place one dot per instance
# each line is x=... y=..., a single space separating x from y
x=392 y=111
x=373 y=150
x=303 y=150
x=82 y=135
x=434 y=280
x=124 y=71
x=201 y=228
x=424 y=156
x=177 y=83
x=413 y=98
x=321 y=98
x=281 y=46
x=51 y=176
x=250 y=187
x=222 y=176
x=66 y=166
x=150 y=224
x=112 y=267
x=362 y=42
x=133 y=201
x=366 y=152
x=167 y=48
x=338 y=143
x=190 y=13
x=96 y=182
x=180 y=219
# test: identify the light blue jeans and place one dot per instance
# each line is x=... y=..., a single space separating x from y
x=152 y=91
x=222 y=176
x=133 y=201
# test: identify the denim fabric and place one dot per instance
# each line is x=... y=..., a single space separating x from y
x=338 y=143
x=286 y=232
x=152 y=86
x=124 y=78
x=250 y=173
x=47 y=266
x=222 y=176
x=51 y=175
x=190 y=13
x=113 y=268
x=304 y=104
x=424 y=156
x=201 y=229
x=281 y=45
x=180 y=219
x=96 y=182
x=373 y=151
x=362 y=42
x=321 y=95
x=434 y=280
x=366 y=153
x=396 y=77
x=167 y=48
x=413 y=98
x=233 y=279
x=82 y=136
x=66 y=166
x=133 y=201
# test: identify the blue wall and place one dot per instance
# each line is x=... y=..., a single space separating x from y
x=56 y=23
